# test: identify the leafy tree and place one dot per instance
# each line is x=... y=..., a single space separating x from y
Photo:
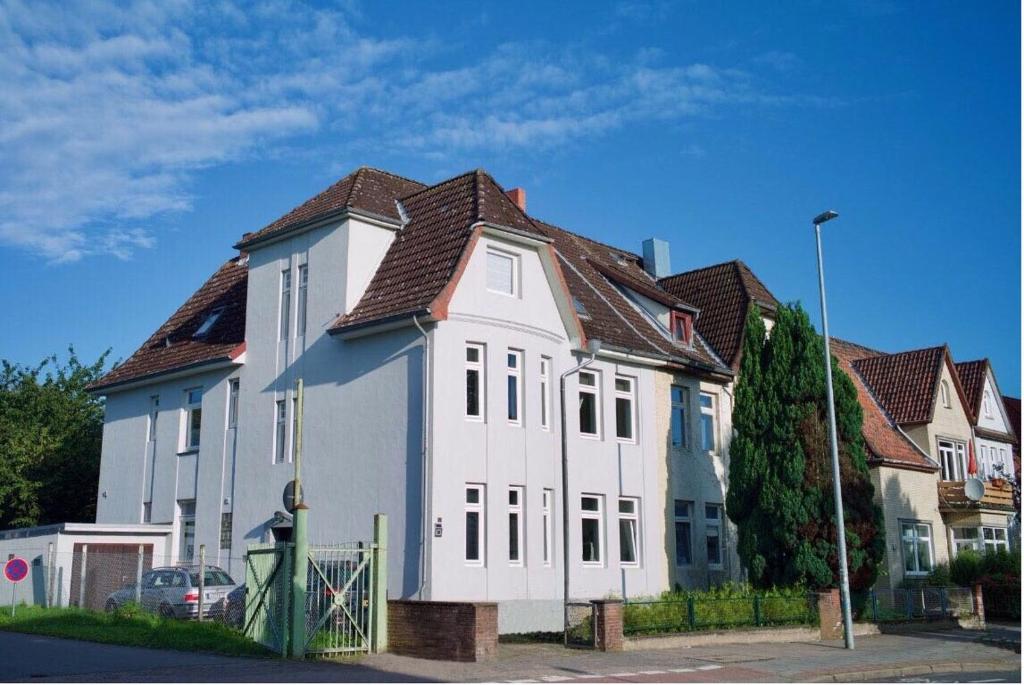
x=780 y=472
x=50 y=435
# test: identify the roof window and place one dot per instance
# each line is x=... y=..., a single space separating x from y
x=581 y=311
x=205 y=327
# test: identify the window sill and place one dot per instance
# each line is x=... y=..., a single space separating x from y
x=593 y=564
x=185 y=453
x=475 y=564
x=590 y=436
x=627 y=565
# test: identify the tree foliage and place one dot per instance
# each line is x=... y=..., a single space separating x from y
x=780 y=473
x=50 y=435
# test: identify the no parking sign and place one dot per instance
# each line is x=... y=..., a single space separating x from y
x=15 y=570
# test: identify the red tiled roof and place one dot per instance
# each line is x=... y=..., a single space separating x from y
x=885 y=441
x=723 y=293
x=368 y=189
x=972 y=378
x=225 y=289
x=1012 y=405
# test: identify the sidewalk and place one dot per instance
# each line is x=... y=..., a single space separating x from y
x=876 y=656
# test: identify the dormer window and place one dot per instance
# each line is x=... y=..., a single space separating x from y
x=681 y=326
x=208 y=324
x=502 y=273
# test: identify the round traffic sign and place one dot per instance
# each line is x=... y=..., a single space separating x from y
x=16 y=569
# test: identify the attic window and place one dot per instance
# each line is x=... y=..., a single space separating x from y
x=205 y=327
x=619 y=259
x=581 y=311
x=681 y=326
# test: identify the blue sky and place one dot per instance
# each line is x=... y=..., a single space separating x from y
x=138 y=142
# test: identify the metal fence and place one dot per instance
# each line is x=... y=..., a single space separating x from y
x=906 y=604
x=688 y=614
x=339 y=610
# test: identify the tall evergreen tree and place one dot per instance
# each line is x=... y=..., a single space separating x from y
x=780 y=472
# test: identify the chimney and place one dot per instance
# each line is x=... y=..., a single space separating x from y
x=517 y=195
x=656 y=260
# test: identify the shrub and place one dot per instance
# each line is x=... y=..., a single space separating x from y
x=965 y=569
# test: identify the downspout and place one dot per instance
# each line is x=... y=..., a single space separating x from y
x=593 y=346
x=425 y=457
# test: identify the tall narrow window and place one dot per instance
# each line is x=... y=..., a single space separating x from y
x=186 y=530
x=679 y=416
x=917 y=548
x=280 y=431
x=681 y=325
x=947 y=458
x=545 y=408
x=286 y=302
x=625 y=402
x=501 y=272
x=944 y=392
x=713 y=533
x=513 y=383
x=515 y=526
x=986 y=404
x=147 y=512
x=474 y=524
x=225 y=530
x=193 y=417
x=547 y=515
x=961 y=459
x=707 y=422
x=474 y=381
x=233 y=403
x=629 y=532
x=154 y=414
x=591 y=527
x=588 y=403
x=300 y=312
x=684 y=550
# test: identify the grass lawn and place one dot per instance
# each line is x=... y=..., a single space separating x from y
x=133 y=628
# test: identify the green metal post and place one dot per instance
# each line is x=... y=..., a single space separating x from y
x=874 y=606
x=380 y=583
x=691 y=613
x=300 y=538
x=757 y=611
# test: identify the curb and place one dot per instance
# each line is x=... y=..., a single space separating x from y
x=923 y=669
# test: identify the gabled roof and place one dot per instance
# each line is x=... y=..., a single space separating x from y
x=972 y=378
x=723 y=293
x=174 y=346
x=885 y=441
x=367 y=189
x=906 y=383
x=1012 y=405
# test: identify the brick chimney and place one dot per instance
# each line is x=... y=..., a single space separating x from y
x=517 y=195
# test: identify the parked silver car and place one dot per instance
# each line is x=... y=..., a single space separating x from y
x=173 y=592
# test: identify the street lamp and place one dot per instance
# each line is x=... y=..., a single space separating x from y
x=837 y=488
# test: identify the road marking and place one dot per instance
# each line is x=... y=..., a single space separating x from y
x=652 y=672
x=621 y=675
x=709 y=667
x=681 y=670
x=555 y=678
x=589 y=675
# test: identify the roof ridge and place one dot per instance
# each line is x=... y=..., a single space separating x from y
x=392 y=174
x=578 y=235
x=428 y=188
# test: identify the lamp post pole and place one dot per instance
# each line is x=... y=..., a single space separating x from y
x=837 y=489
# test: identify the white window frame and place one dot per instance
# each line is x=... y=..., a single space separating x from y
x=154 y=416
x=479 y=367
x=280 y=455
x=302 y=305
x=233 y=397
x=712 y=412
x=680 y=413
x=186 y=516
x=995 y=542
x=714 y=526
x=944 y=393
x=516 y=493
x=548 y=523
x=951 y=458
x=685 y=518
x=961 y=542
x=914 y=527
x=545 y=393
x=193 y=407
x=514 y=383
x=479 y=509
x=513 y=259
x=986 y=404
x=285 y=313
x=632 y=520
x=592 y=515
x=628 y=395
x=595 y=391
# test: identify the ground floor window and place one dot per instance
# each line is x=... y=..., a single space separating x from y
x=684 y=553
x=590 y=515
x=515 y=526
x=713 y=532
x=629 y=532
x=966 y=538
x=225 y=530
x=186 y=529
x=917 y=548
x=995 y=539
x=474 y=524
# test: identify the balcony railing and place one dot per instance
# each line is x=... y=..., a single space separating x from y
x=952 y=496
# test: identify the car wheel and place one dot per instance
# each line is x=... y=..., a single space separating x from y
x=166 y=611
x=110 y=607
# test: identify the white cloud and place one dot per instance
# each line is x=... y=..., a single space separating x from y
x=109 y=110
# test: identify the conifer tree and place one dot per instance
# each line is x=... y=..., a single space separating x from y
x=780 y=473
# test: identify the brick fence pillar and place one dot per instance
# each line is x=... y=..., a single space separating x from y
x=979 y=605
x=608 y=625
x=830 y=615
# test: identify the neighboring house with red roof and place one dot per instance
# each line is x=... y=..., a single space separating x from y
x=1012 y=406
x=994 y=434
x=431 y=326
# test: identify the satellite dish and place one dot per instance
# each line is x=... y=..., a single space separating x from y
x=288 y=496
x=974 y=489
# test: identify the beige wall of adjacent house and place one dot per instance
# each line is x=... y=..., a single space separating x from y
x=907 y=496
x=948 y=422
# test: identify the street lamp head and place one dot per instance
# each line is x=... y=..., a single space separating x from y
x=825 y=216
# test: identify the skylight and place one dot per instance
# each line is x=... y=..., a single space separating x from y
x=581 y=311
x=211 y=319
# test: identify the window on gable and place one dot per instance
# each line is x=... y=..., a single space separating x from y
x=681 y=325
x=300 y=315
x=986 y=404
x=501 y=272
x=211 y=319
x=286 y=302
x=944 y=391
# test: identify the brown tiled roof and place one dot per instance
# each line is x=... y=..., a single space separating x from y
x=723 y=293
x=173 y=345
x=972 y=378
x=906 y=383
x=1012 y=405
x=885 y=442
x=368 y=189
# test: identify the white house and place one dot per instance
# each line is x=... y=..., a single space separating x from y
x=432 y=327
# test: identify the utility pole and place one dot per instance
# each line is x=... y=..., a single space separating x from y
x=300 y=540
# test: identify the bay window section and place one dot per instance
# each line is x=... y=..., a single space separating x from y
x=995 y=539
x=300 y=314
x=545 y=405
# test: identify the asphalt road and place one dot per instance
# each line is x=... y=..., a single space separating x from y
x=966 y=677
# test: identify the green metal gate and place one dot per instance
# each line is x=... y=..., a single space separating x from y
x=339 y=598
x=268 y=586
